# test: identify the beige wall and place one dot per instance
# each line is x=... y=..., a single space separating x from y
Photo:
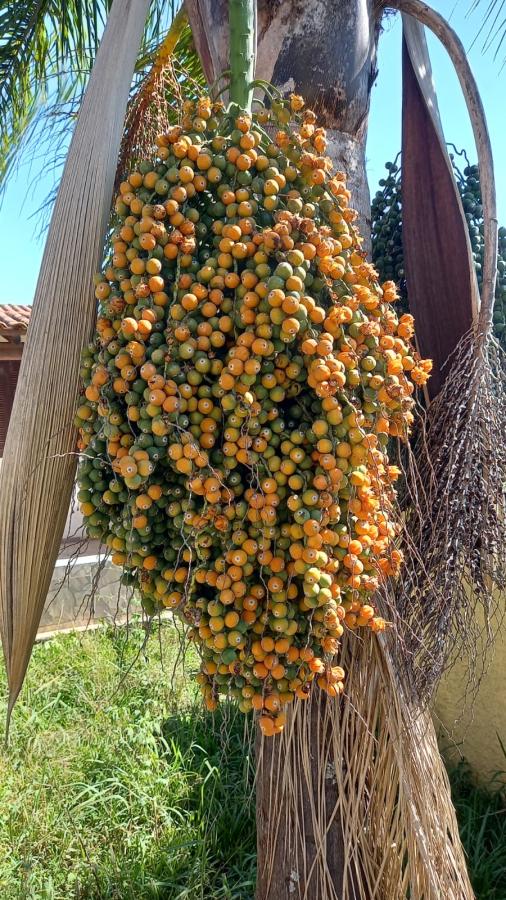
x=471 y=726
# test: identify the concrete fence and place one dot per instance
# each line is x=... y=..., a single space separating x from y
x=86 y=587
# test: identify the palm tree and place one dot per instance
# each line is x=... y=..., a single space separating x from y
x=325 y=50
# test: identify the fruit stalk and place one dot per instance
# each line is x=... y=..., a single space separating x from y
x=242 y=24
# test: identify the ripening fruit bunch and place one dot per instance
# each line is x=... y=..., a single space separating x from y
x=246 y=375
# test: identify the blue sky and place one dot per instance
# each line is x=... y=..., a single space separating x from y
x=385 y=118
x=22 y=249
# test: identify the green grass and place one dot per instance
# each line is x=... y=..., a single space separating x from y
x=117 y=785
x=481 y=813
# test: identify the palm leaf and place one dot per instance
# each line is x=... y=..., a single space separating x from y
x=47 y=52
x=493 y=26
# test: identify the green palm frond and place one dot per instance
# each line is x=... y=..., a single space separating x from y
x=47 y=49
x=493 y=26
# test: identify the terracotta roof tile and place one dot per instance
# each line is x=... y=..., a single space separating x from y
x=14 y=318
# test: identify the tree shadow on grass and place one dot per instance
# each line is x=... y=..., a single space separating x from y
x=214 y=752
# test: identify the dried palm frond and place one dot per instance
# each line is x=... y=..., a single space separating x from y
x=38 y=467
x=359 y=782
x=455 y=526
x=440 y=275
x=157 y=101
x=455 y=505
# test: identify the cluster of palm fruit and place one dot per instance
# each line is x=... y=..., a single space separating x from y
x=246 y=374
x=387 y=251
